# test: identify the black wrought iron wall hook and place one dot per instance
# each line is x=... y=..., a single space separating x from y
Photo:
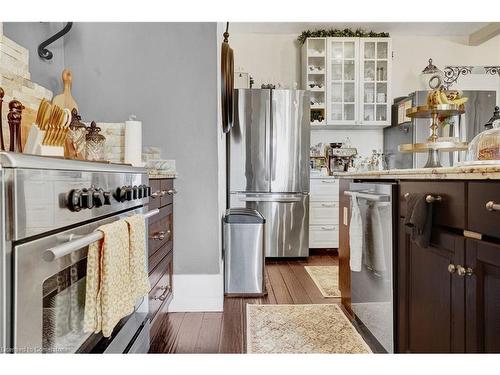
x=43 y=52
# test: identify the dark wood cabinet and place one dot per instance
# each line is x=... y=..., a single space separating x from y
x=482 y=298
x=432 y=308
x=161 y=244
x=449 y=293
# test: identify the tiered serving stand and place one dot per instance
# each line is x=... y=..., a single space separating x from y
x=434 y=144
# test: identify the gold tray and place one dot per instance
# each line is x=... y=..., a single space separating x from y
x=443 y=146
x=426 y=111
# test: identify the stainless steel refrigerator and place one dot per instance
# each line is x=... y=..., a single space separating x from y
x=268 y=165
x=478 y=110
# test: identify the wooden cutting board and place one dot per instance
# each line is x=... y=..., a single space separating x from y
x=65 y=100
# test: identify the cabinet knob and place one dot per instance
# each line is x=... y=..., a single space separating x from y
x=158 y=236
x=433 y=198
x=452 y=268
x=492 y=206
x=464 y=271
x=157 y=194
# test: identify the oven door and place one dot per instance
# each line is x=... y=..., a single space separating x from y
x=49 y=299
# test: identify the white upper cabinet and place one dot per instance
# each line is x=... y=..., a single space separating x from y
x=342 y=80
x=357 y=87
x=375 y=88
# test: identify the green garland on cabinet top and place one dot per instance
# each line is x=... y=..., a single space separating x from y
x=346 y=33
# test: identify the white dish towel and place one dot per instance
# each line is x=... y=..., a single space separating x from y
x=355 y=235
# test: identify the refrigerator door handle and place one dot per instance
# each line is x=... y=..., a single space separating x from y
x=273 y=137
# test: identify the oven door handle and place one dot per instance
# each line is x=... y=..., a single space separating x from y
x=69 y=247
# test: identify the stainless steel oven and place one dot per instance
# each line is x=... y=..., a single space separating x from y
x=51 y=209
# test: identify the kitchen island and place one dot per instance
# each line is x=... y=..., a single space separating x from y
x=445 y=296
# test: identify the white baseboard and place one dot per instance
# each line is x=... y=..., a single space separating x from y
x=195 y=293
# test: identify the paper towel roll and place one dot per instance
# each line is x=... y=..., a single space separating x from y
x=133 y=142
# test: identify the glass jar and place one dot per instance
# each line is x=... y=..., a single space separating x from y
x=75 y=144
x=94 y=149
x=486 y=145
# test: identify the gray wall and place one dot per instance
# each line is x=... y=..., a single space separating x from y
x=29 y=35
x=166 y=74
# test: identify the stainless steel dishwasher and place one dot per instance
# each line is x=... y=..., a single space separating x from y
x=372 y=259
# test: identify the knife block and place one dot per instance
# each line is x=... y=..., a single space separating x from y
x=34 y=144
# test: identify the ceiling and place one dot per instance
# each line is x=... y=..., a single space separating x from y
x=393 y=28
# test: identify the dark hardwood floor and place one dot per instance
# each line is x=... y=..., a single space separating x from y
x=287 y=283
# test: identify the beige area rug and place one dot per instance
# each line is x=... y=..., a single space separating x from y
x=322 y=328
x=326 y=279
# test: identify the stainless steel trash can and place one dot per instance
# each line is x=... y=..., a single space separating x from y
x=244 y=252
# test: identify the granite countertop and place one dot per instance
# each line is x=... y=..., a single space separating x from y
x=444 y=173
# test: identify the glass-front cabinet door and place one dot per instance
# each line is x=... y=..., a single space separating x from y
x=342 y=91
x=375 y=72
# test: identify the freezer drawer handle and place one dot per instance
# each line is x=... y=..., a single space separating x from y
x=66 y=248
x=279 y=200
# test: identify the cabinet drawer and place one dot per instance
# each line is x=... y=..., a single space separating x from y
x=481 y=219
x=154 y=199
x=161 y=229
x=450 y=211
x=162 y=289
x=323 y=236
x=325 y=189
x=157 y=256
x=323 y=213
x=167 y=188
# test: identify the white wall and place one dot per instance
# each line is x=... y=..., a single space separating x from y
x=412 y=53
x=268 y=57
x=276 y=58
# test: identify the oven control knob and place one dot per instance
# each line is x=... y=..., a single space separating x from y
x=135 y=192
x=98 y=197
x=140 y=191
x=147 y=191
x=129 y=193
x=120 y=194
x=74 y=201
x=107 y=198
x=87 y=198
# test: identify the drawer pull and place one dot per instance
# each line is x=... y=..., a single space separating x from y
x=328 y=181
x=159 y=236
x=164 y=295
x=433 y=198
x=327 y=228
x=157 y=194
x=464 y=271
x=328 y=205
x=492 y=206
x=170 y=192
x=429 y=198
x=452 y=268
